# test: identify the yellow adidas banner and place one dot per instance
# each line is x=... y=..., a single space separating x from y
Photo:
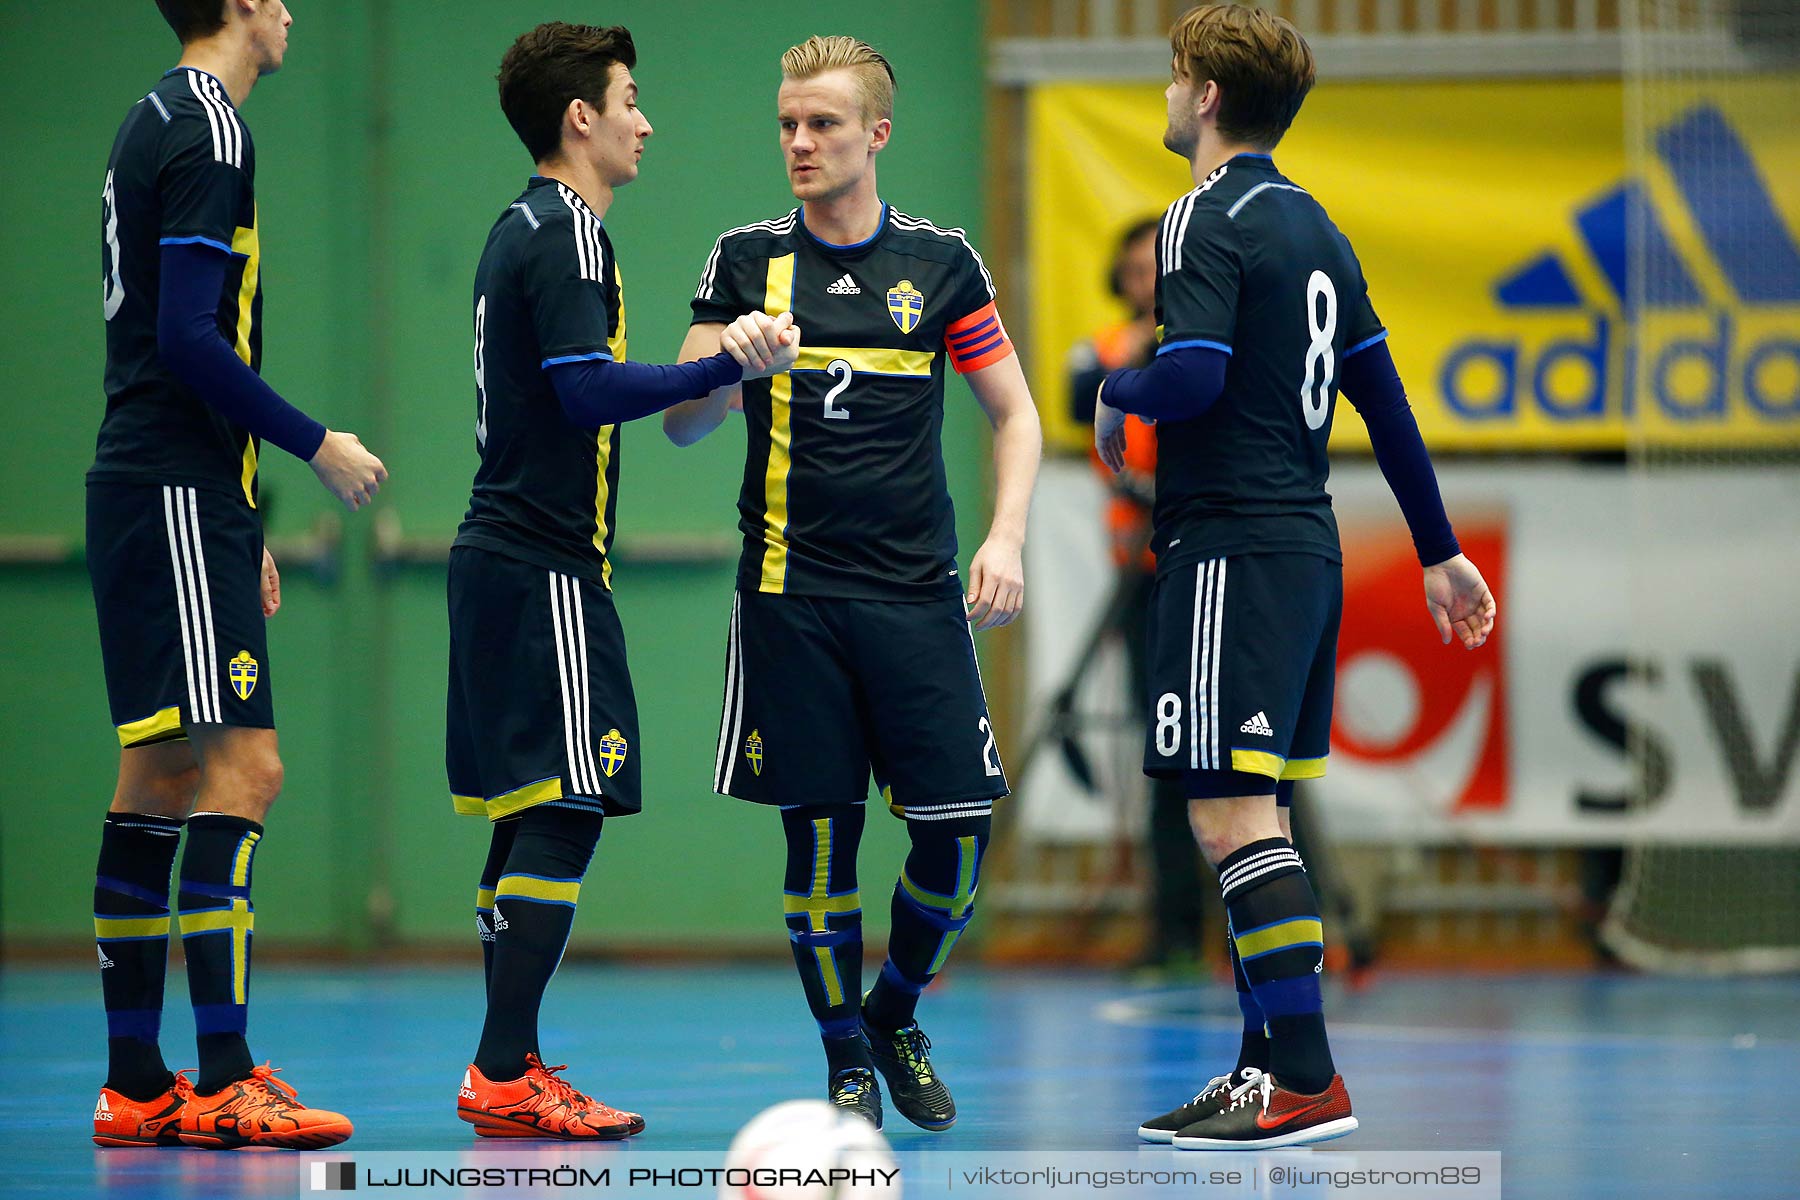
x=1542 y=288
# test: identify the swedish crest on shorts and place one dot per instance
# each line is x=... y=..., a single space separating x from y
x=613 y=749
x=242 y=672
x=906 y=304
x=753 y=750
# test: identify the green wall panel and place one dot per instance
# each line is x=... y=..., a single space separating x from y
x=382 y=160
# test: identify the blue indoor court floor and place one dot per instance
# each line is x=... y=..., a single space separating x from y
x=1591 y=1086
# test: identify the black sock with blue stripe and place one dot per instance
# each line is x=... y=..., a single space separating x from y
x=823 y=910
x=1253 y=1047
x=934 y=901
x=217 y=926
x=499 y=847
x=131 y=932
x=533 y=912
x=1281 y=946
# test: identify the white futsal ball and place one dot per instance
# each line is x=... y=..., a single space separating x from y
x=809 y=1150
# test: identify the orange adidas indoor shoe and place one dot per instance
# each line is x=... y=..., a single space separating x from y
x=259 y=1111
x=122 y=1121
x=539 y=1104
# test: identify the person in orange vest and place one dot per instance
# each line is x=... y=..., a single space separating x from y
x=1177 y=894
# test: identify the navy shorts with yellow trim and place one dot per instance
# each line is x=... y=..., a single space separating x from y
x=540 y=706
x=1242 y=667
x=820 y=690
x=177 y=575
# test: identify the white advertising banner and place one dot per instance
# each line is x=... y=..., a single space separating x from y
x=1643 y=684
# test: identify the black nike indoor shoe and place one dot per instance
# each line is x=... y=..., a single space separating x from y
x=904 y=1059
x=1262 y=1115
x=1211 y=1100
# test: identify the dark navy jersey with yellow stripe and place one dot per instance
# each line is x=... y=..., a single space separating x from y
x=844 y=490
x=1250 y=265
x=547 y=292
x=182 y=171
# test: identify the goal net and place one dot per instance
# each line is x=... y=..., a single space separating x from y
x=1712 y=318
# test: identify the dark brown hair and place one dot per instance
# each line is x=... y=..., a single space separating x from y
x=552 y=65
x=193 y=19
x=1260 y=62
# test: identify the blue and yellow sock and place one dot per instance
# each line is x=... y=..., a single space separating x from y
x=217 y=925
x=533 y=912
x=1281 y=944
x=934 y=901
x=131 y=932
x=823 y=909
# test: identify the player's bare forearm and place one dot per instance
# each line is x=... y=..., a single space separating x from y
x=691 y=420
x=1001 y=391
x=997 y=572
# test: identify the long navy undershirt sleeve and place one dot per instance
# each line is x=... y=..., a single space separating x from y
x=599 y=391
x=191 y=346
x=1371 y=383
x=1174 y=387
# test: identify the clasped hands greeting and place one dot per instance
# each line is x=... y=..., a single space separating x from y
x=761 y=344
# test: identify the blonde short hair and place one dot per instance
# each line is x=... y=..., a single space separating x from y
x=874 y=77
x=1260 y=62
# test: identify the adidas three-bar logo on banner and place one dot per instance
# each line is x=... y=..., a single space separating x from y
x=1259 y=724
x=1629 y=243
x=845 y=286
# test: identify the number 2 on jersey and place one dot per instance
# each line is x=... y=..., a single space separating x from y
x=840 y=371
x=1315 y=399
x=480 y=373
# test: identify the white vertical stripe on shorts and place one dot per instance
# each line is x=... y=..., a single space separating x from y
x=732 y=707
x=1220 y=760
x=584 y=686
x=571 y=674
x=210 y=642
x=1203 y=665
x=178 y=570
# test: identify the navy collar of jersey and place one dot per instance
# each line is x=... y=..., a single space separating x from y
x=1252 y=158
x=850 y=247
x=196 y=70
x=538 y=181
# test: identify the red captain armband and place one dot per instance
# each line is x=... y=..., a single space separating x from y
x=978 y=340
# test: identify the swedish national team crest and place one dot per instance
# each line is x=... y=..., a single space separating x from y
x=613 y=749
x=242 y=670
x=753 y=750
x=906 y=304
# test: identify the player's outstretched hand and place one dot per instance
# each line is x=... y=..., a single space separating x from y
x=996 y=584
x=347 y=470
x=1460 y=602
x=1109 y=435
x=271 y=585
x=761 y=344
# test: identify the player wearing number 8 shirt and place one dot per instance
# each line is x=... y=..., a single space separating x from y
x=1264 y=314
x=850 y=644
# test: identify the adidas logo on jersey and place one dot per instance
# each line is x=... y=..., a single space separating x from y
x=105 y=962
x=1259 y=724
x=467 y=1091
x=481 y=927
x=499 y=921
x=845 y=286
x=103 y=1110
